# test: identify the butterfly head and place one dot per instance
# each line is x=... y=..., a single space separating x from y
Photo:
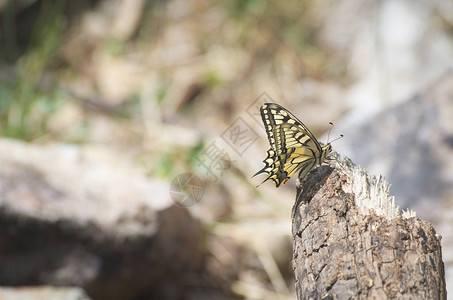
x=327 y=148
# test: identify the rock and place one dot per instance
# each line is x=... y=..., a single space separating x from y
x=42 y=293
x=72 y=216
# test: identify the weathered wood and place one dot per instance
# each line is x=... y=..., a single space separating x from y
x=350 y=241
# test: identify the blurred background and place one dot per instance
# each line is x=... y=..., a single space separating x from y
x=130 y=130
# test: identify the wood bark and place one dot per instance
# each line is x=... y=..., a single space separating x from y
x=350 y=241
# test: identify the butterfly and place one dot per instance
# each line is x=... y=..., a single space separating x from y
x=292 y=145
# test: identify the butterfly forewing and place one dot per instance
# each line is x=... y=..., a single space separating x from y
x=292 y=145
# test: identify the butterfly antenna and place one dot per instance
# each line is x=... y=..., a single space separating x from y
x=328 y=135
x=337 y=138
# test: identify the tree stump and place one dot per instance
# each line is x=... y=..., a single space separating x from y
x=350 y=240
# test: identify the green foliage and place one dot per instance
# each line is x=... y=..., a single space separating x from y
x=287 y=23
x=212 y=79
x=195 y=153
x=169 y=164
x=114 y=47
x=25 y=106
x=162 y=91
x=164 y=167
x=245 y=8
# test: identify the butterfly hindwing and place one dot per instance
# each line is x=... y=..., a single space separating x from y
x=292 y=145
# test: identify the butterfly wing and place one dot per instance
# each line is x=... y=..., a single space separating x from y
x=292 y=145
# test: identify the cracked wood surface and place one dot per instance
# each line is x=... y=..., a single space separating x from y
x=340 y=252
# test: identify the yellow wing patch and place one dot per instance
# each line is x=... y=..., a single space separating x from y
x=292 y=145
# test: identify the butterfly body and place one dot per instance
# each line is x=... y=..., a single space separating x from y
x=292 y=145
